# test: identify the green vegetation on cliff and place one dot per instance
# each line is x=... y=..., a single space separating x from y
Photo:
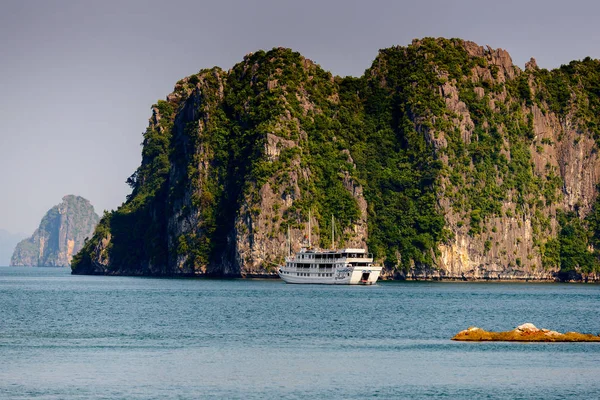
x=442 y=138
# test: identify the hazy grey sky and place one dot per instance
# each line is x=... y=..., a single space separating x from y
x=78 y=77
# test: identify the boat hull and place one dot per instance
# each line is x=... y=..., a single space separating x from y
x=345 y=276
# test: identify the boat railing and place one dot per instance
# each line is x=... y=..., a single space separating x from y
x=328 y=260
x=306 y=266
x=315 y=260
x=312 y=272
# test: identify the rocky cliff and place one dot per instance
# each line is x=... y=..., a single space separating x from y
x=444 y=158
x=61 y=234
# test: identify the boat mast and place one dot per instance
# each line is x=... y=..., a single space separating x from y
x=289 y=242
x=309 y=218
x=332 y=233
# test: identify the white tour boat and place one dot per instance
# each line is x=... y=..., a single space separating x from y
x=330 y=267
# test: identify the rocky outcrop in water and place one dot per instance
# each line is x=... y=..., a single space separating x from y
x=61 y=234
x=523 y=333
x=446 y=159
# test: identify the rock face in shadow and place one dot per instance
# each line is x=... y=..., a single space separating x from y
x=61 y=234
x=523 y=333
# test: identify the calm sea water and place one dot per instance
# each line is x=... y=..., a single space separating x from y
x=80 y=337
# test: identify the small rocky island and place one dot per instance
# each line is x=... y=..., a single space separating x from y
x=61 y=234
x=523 y=333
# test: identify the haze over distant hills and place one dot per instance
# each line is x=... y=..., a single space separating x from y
x=60 y=235
x=8 y=241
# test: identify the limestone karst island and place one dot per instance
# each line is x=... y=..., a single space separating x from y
x=444 y=159
x=61 y=234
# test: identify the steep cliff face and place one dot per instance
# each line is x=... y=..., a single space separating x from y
x=519 y=162
x=231 y=161
x=61 y=235
x=444 y=158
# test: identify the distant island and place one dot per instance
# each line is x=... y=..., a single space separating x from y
x=444 y=158
x=61 y=234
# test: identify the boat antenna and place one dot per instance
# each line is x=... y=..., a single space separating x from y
x=332 y=233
